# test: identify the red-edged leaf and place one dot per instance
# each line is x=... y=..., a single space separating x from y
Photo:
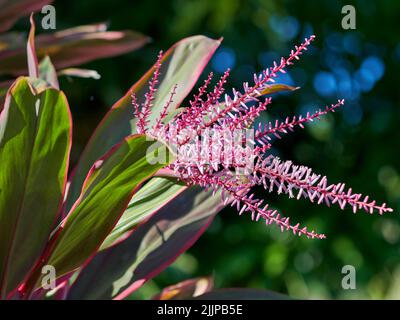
x=4 y=86
x=154 y=245
x=35 y=139
x=72 y=47
x=109 y=186
x=33 y=65
x=182 y=65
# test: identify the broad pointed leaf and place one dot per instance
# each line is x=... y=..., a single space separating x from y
x=35 y=141
x=152 y=247
x=182 y=65
x=105 y=195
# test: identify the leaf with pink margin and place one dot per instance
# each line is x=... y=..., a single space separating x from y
x=109 y=186
x=79 y=73
x=118 y=271
x=107 y=190
x=33 y=65
x=35 y=141
x=182 y=64
x=4 y=86
x=71 y=47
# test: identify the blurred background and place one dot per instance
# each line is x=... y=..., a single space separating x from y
x=358 y=145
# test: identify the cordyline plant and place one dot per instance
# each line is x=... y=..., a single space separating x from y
x=123 y=215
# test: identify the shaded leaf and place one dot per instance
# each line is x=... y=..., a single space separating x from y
x=72 y=47
x=147 y=201
x=12 y=10
x=186 y=289
x=35 y=141
x=4 y=86
x=123 y=268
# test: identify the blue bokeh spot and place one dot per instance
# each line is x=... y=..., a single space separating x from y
x=225 y=58
x=374 y=66
x=325 y=83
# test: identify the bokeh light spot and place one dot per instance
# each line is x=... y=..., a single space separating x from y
x=224 y=58
x=325 y=83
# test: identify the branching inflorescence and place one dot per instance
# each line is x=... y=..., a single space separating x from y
x=213 y=163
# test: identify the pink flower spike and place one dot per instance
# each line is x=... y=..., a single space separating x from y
x=215 y=162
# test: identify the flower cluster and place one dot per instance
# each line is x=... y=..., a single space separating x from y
x=209 y=167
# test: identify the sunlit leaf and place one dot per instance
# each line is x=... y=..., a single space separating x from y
x=182 y=64
x=278 y=87
x=109 y=186
x=35 y=141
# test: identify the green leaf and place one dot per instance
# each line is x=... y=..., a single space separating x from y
x=147 y=201
x=182 y=64
x=278 y=87
x=71 y=47
x=242 y=294
x=35 y=141
x=12 y=10
x=105 y=195
x=152 y=247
